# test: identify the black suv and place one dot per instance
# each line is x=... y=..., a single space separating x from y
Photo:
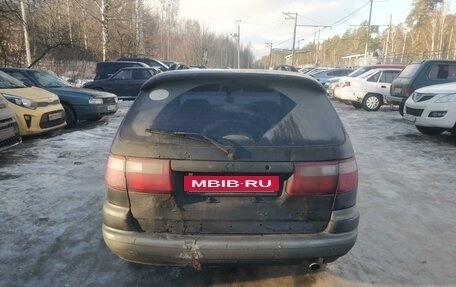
x=214 y=167
x=105 y=70
x=148 y=61
x=420 y=74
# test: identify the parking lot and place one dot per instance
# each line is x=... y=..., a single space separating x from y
x=52 y=193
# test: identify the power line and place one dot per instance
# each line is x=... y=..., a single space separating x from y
x=345 y=19
x=341 y=21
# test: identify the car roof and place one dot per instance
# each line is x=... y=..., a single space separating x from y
x=139 y=68
x=433 y=61
x=373 y=71
x=233 y=74
x=387 y=66
x=17 y=69
x=121 y=62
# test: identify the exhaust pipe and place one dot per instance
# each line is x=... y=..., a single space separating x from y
x=315 y=264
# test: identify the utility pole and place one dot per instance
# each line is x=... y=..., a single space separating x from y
x=449 y=44
x=270 y=54
x=442 y=26
x=368 y=32
x=237 y=37
x=28 y=55
x=292 y=16
x=317 y=47
x=316 y=27
x=238 y=43
x=403 y=47
x=388 y=39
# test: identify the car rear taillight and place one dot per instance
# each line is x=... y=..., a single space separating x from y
x=322 y=178
x=139 y=174
x=407 y=91
x=115 y=173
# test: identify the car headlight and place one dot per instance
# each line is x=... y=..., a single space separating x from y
x=2 y=103
x=23 y=102
x=447 y=99
x=96 y=101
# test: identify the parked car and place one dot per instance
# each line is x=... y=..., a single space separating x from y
x=324 y=76
x=331 y=85
x=289 y=68
x=179 y=66
x=356 y=73
x=37 y=111
x=364 y=69
x=79 y=104
x=148 y=61
x=125 y=83
x=222 y=166
x=306 y=69
x=420 y=74
x=433 y=109
x=317 y=70
x=105 y=70
x=9 y=130
x=168 y=62
x=368 y=90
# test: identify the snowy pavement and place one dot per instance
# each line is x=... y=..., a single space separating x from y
x=52 y=193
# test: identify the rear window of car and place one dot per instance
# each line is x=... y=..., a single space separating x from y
x=243 y=113
x=409 y=71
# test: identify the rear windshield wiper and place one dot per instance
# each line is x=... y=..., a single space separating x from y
x=198 y=137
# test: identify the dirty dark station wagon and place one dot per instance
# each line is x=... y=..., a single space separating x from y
x=230 y=167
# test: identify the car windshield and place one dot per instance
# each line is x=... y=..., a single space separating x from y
x=49 y=80
x=252 y=115
x=8 y=82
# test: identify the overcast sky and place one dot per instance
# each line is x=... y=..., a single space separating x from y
x=262 y=20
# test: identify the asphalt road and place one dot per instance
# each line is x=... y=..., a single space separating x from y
x=51 y=190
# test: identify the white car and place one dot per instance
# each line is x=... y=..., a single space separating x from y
x=368 y=90
x=433 y=109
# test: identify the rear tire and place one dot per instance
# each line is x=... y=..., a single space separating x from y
x=357 y=105
x=71 y=119
x=401 y=107
x=372 y=102
x=453 y=132
x=429 y=130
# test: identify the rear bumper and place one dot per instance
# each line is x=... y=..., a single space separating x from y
x=196 y=250
x=394 y=99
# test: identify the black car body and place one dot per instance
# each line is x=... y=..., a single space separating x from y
x=179 y=66
x=79 y=103
x=420 y=74
x=104 y=70
x=231 y=167
x=288 y=68
x=125 y=83
x=148 y=61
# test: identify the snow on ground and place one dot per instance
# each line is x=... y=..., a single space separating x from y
x=52 y=192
